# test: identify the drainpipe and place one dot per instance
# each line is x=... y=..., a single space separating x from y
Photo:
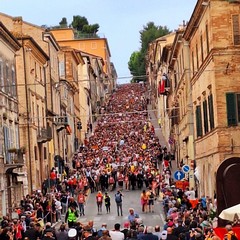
x=28 y=125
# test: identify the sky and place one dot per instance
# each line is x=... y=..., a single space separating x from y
x=120 y=20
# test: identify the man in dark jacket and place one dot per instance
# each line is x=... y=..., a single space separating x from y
x=31 y=232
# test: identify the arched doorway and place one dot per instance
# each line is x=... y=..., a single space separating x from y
x=228 y=185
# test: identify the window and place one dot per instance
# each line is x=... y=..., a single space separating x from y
x=211 y=111
x=201 y=42
x=205 y=116
x=236 y=31
x=233 y=108
x=207 y=38
x=193 y=62
x=7 y=87
x=1 y=75
x=14 y=88
x=94 y=45
x=38 y=117
x=61 y=69
x=33 y=112
x=35 y=152
x=198 y=121
x=197 y=56
x=6 y=144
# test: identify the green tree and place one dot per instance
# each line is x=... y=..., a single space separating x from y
x=90 y=28
x=137 y=61
x=63 y=22
x=79 y=22
x=82 y=26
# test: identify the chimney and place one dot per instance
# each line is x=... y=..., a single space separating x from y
x=17 y=24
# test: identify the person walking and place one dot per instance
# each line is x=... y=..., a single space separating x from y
x=71 y=217
x=144 y=201
x=118 y=200
x=107 y=201
x=99 y=199
x=81 y=202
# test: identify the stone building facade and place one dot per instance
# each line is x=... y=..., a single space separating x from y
x=11 y=155
x=203 y=101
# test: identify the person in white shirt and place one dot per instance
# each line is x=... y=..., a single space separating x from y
x=116 y=234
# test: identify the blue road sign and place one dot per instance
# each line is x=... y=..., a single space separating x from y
x=186 y=169
x=179 y=175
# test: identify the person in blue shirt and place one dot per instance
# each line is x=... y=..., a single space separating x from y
x=132 y=216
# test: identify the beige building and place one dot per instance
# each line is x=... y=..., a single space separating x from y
x=49 y=74
x=202 y=104
x=87 y=75
x=69 y=59
x=213 y=37
x=11 y=153
x=34 y=130
x=158 y=57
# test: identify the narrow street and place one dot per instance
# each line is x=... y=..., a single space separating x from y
x=131 y=200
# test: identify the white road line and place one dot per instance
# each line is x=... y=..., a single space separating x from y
x=162 y=217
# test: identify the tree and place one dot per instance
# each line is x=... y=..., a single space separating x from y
x=82 y=25
x=63 y=22
x=90 y=28
x=79 y=22
x=137 y=63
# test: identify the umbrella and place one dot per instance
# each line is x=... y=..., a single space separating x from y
x=231 y=213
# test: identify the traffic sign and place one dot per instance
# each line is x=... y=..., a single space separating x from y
x=186 y=168
x=179 y=175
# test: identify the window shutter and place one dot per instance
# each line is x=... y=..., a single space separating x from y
x=205 y=115
x=236 y=29
x=211 y=111
x=198 y=121
x=231 y=109
x=6 y=144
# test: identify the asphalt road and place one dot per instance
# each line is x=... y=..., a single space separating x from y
x=131 y=199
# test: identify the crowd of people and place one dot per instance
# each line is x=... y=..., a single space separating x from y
x=122 y=153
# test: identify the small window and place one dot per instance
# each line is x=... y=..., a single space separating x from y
x=233 y=108
x=198 y=121
x=236 y=29
x=94 y=45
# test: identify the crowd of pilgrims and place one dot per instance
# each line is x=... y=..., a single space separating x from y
x=121 y=152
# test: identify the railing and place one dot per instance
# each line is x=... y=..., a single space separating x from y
x=44 y=134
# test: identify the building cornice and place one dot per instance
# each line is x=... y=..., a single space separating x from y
x=9 y=37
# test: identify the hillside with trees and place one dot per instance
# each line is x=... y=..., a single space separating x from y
x=137 y=63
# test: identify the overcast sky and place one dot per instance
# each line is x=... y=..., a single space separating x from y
x=120 y=20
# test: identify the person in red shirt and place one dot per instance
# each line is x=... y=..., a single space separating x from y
x=99 y=199
x=81 y=202
x=53 y=177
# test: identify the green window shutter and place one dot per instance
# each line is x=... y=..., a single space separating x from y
x=231 y=109
x=198 y=121
x=205 y=115
x=211 y=111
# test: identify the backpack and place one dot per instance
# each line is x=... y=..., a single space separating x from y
x=118 y=197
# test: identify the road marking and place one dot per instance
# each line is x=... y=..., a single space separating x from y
x=97 y=219
x=162 y=217
x=156 y=217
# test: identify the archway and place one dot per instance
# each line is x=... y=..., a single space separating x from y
x=228 y=185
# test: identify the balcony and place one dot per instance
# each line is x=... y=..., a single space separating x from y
x=14 y=159
x=44 y=135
